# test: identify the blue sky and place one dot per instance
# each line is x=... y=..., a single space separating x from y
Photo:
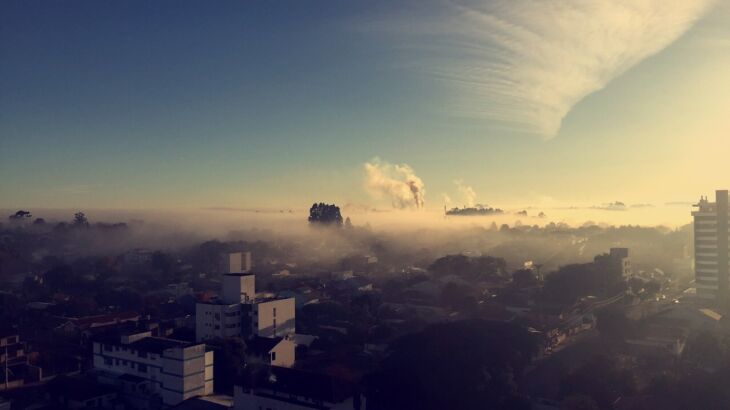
x=196 y=104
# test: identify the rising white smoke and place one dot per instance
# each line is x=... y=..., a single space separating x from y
x=398 y=183
x=467 y=193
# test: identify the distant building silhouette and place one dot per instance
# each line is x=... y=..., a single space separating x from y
x=711 y=247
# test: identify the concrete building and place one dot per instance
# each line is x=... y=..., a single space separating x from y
x=711 y=247
x=269 y=318
x=239 y=313
x=237 y=262
x=151 y=367
x=273 y=351
x=217 y=320
x=238 y=288
x=617 y=260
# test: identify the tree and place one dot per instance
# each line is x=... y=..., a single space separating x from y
x=636 y=285
x=578 y=402
x=652 y=287
x=39 y=221
x=228 y=359
x=80 y=219
x=601 y=379
x=465 y=365
x=348 y=223
x=20 y=216
x=325 y=214
x=524 y=278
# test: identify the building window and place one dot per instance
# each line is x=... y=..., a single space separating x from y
x=108 y=348
x=273 y=357
x=274 y=312
x=142 y=354
x=142 y=368
x=108 y=361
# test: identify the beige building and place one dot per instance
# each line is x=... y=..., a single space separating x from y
x=711 y=235
x=238 y=262
x=141 y=365
x=240 y=313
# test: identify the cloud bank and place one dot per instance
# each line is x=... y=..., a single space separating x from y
x=526 y=63
x=398 y=183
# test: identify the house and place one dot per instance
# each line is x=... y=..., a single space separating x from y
x=274 y=351
x=283 y=388
x=154 y=367
x=75 y=326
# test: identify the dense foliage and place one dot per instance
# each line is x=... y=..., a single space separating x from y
x=325 y=214
x=461 y=365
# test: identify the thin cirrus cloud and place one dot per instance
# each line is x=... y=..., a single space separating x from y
x=526 y=63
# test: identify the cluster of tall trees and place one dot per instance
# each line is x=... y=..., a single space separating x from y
x=325 y=214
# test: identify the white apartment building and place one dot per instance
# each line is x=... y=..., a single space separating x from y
x=169 y=369
x=711 y=236
x=217 y=321
x=238 y=313
x=238 y=262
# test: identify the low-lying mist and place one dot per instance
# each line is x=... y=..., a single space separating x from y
x=399 y=239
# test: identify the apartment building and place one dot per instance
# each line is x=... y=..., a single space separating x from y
x=711 y=247
x=146 y=366
x=237 y=312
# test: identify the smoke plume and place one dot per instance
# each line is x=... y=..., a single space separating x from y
x=467 y=193
x=396 y=182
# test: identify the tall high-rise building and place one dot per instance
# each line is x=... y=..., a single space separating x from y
x=711 y=247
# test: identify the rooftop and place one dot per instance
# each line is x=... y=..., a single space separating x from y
x=158 y=344
x=148 y=344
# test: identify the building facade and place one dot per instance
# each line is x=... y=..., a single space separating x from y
x=238 y=262
x=711 y=247
x=170 y=369
x=239 y=313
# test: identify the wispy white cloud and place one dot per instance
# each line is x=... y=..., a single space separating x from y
x=526 y=63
